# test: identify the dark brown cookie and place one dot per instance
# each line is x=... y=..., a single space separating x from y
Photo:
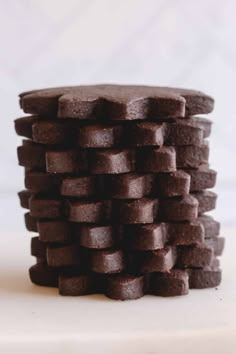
x=180 y=133
x=46 y=207
x=23 y=126
x=144 y=237
x=99 y=283
x=171 y=184
x=111 y=161
x=89 y=211
x=173 y=283
x=192 y=156
x=138 y=211
x=161 y=260
x=52 y=132
x=63 y=256
x=98 y=237
x=41 y=260
x=80 y=187
x=204 y=124
x=38 y=248
x=66 y=161
x=30 y=222
x=208 y=277
x=31 y=155
x=136 y=186
x=42 y=274
x=206 y=200
x=41 y=182
x=179 y=209
x=72 y=284
x=201 y=178
x=217 y=243
x=125 y=287
x=197 y=122
x=99 y=136
x=146 y=134
x=184 y=233
x=116 y=102
x=129 y=186
x=193 y=122
x=194 y=256
x=24 y=197
x=107 y=261
x=211 y=226
x=54 y=231
x=156 y=160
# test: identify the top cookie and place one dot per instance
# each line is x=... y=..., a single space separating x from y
x=116 y=102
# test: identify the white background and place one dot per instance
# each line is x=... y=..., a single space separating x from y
x=161 y=42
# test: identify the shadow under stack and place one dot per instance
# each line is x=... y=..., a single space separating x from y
x=116 y=183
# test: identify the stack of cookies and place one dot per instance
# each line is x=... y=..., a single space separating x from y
x=116 y=183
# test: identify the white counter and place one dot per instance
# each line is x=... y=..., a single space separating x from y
x=36 y=320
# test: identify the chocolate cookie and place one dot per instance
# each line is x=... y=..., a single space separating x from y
x=31 y=155
x=136 y=186
x=42 y=274
x=129 y=186
x=117 y=180
x=208 y=277
x=54 y=231
x=111 y=161
x=63 y=256
x=173 y=283
x=24 y=197
x=38 y=248
x=75 y=284
x=99 y=283
x=46 y=207
x=179 y=133
x=171 y=184
x=201 y=178
x=217 y=243
x=80 y=187
x=211 y=226
x=51 y=132
x=161 y=260
x=179 y=209
x=192 y=156
x=138 y=211
x=89 y=211
x=41 y=260
x=99 y=136
x=125 y=287
x=195 y=256
x=206 y=200
x=30 y=222
x=107 y=261
x=197 y=122
x=203 y=123
x=156 y=160
x=97 y=237
x=144 y=237
x=23 y=126
x=41 y=182
x=66 y=161
x=184 y=233
x=118 y=102
x=146 y=134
